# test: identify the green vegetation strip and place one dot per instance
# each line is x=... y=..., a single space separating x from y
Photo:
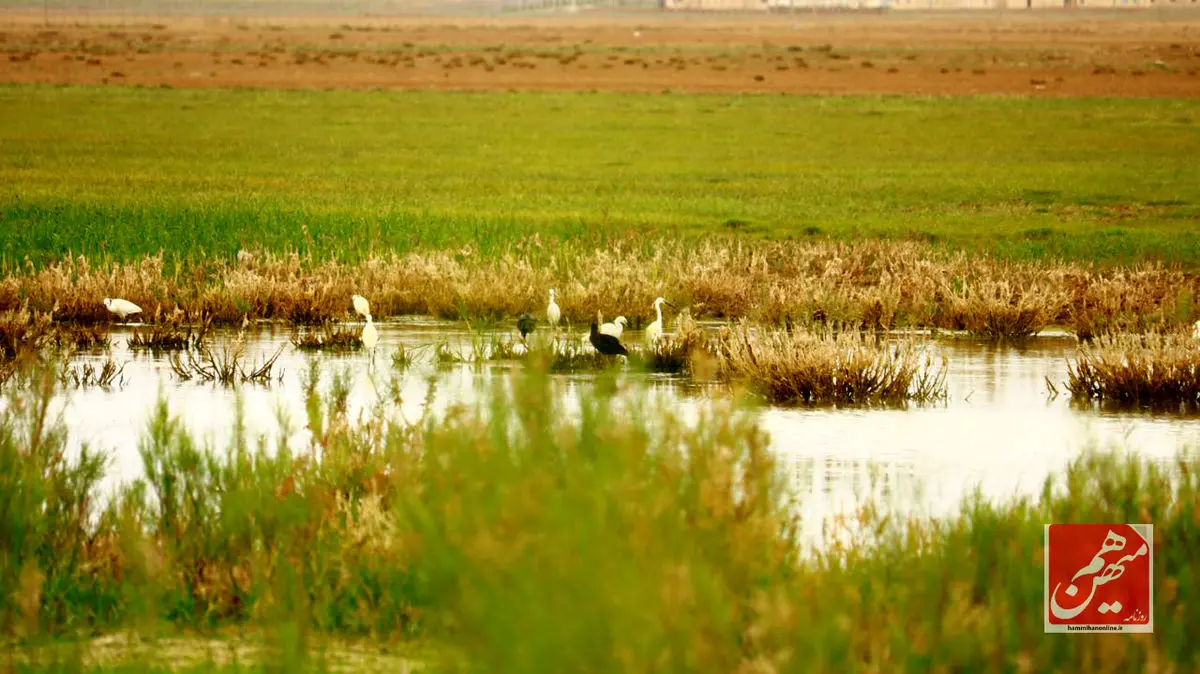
x=116 y=173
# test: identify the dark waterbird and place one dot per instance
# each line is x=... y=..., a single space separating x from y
x=606 y=344
x=526 y=323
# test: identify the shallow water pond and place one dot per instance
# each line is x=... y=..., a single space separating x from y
x=1000 y=428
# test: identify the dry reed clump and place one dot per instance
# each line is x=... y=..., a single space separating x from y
x=1129 y=370
x=226 y=364
x=675 y=351
x=847 y=368
x=79 y=290
x=86 y=375
x=70 y=337
x=867 y=285
x=173 y=333
x=1146 y=298
x=24 y=333
x=327 y=336
x=1003 y=308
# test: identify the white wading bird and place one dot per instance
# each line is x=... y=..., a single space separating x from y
x=552 y=311
x=361 y=305
x=616 y=328
x=654 y=330
x=122 y=308
x=370 y=336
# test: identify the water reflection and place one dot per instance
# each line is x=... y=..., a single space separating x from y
x=1000 y=429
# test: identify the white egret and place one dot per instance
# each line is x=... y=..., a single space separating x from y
x=616 y=328
x=122 y=308
x=552 y=311
x=370 y=336
x=655 y=329
x=1196 y=330
x=361 y=305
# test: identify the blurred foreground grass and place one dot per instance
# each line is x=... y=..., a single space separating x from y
x=529 y=534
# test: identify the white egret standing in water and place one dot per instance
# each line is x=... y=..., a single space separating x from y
x=552 y=311
x=370 y=336
x=122 y=308
x=655 y=329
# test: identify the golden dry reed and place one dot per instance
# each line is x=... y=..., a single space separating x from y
x=1130 y=370
x=327 y=336
x=172 y=333
x=24 y=334
x=689 y=349
x=790 y=366
x=862 y=284
x=226 y=364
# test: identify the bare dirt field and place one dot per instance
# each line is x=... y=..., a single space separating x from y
x=1050 y=52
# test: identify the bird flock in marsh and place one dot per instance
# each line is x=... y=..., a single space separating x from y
x=605 y=338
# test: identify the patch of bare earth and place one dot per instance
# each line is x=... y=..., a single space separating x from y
x=1133 y=53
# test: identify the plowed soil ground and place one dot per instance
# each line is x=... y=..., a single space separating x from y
x=1048 y=52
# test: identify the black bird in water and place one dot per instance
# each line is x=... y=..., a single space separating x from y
x=526 y=323
x=606 y=344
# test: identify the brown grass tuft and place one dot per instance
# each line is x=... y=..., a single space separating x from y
x=1135 y=370
x=23 y=333
x=170 y=334
x=87 y=375
x=327 y=336
x=849 y=368
x=71 y=338
x=675 y=351
x=1004 y=308
x=225 y=365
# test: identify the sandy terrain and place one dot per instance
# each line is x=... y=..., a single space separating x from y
x=1130 y=53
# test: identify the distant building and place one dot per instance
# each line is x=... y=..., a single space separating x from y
x=718 y=5
x=888 y=5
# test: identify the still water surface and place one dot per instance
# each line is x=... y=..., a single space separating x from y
x=1000 y=429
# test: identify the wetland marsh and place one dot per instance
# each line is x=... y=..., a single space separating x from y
x=999 y=427
x=897 y=297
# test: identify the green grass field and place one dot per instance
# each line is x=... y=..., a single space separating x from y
x=117 y=173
